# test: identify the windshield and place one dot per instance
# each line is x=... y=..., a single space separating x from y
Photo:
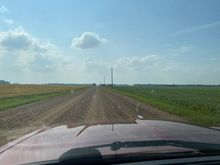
x=107 y=63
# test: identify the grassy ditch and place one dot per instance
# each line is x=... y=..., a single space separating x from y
x=199 y=105
x=15 y=95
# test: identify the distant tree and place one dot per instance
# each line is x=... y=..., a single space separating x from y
x=4 y=82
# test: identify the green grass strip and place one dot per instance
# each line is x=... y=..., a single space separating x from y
x=11 y=102
x=185 y=103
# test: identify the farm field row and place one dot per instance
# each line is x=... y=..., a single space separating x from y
x=15 y=95
x=18 y=90
x=197 y=104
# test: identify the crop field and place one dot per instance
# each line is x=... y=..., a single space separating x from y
x=197 y=104
x=16 y=95
x=18 y=90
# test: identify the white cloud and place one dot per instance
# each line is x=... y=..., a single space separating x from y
x=96 y=66
x=3 y=9
x=4 y=15
x=137 y=69
x=126 y=69
x=137 y=63
x=8 y=21
x=27 y=52
x=88 y=40
x=15 y=39
x=181 y=50
x=199 y=27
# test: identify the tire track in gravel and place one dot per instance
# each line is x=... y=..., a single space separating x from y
x=117 y=110
x=76 y=113
x=89 y=106
x=146 y=111
x=96 y=112
x=21 y=120
x=28 y=114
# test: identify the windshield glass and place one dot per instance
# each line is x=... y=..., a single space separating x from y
x=127 y=65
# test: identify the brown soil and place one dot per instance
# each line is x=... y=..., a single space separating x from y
x=91 y=105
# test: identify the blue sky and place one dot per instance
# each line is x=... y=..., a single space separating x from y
x=157 y=41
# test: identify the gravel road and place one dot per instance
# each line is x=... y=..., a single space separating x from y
x=91 y=105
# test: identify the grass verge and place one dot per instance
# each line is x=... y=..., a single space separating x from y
x=11 y=102
x=198 y=105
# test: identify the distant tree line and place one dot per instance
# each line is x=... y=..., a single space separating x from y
x=176 y=85
x=4 y=82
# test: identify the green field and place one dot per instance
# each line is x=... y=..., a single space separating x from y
x=197 y=104
x=15 y=95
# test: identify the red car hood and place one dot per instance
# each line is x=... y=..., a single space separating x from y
x=50 y=144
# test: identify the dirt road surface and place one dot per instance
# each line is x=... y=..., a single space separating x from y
x=91 y=105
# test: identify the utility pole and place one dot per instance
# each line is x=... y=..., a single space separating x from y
x=104 y=80
x=112 y=76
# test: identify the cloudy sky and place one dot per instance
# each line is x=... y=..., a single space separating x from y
x=146 y=41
